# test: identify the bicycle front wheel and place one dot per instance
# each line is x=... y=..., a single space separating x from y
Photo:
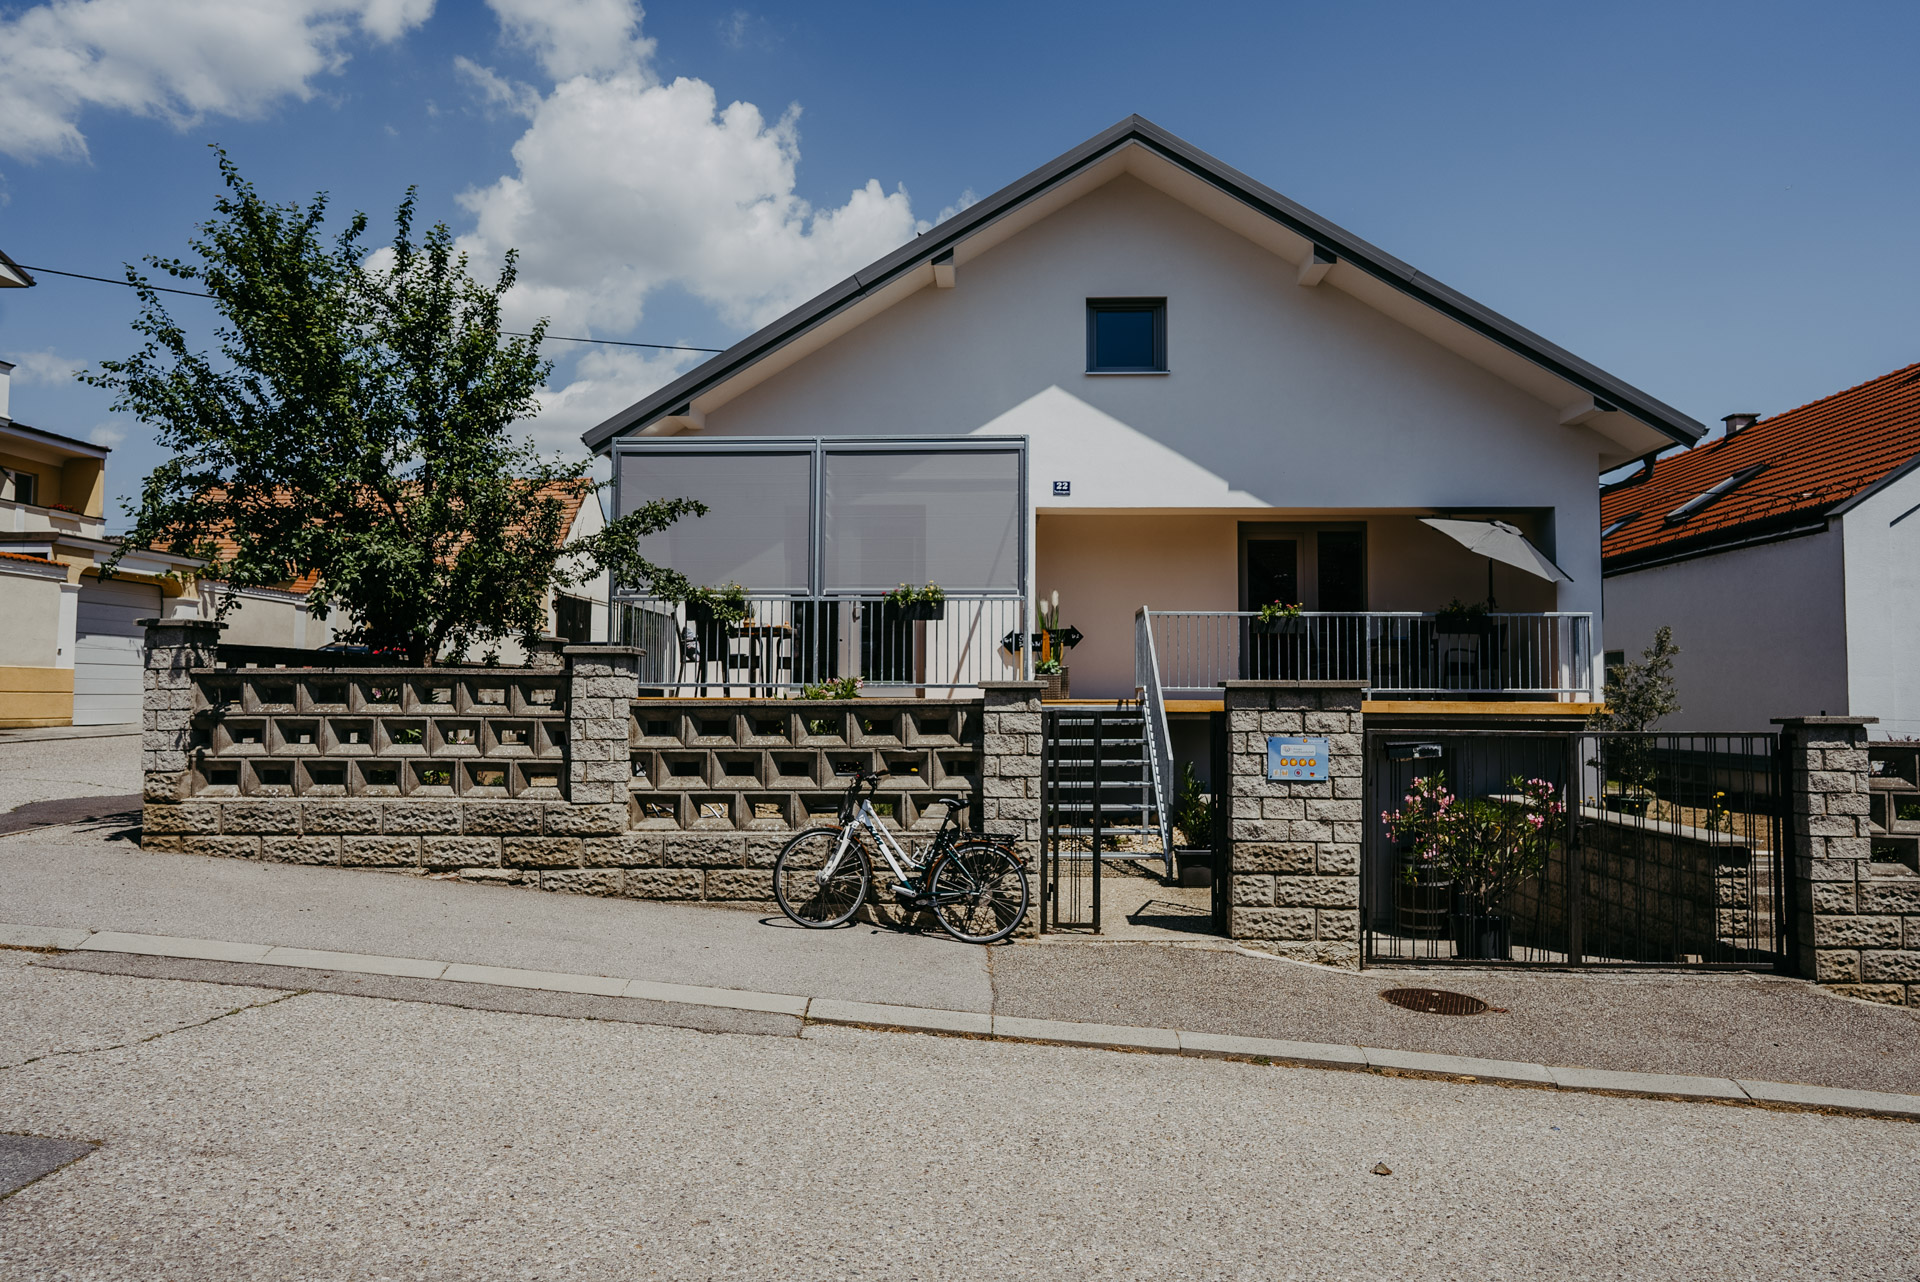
x=979 y=892
x=811 y=896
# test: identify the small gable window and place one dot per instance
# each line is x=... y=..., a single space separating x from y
x=1701 y=501
x=1126 y=335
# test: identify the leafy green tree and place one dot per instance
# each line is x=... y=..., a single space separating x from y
x=1641 y=692
x=357 y=423
x=1638 y=695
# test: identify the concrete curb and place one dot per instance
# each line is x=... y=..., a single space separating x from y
x=1789 y=1096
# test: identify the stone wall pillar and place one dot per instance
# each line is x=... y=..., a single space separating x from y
x=174 y=647
x=1856 y=925
x=606 y=681
x=1294 y=846
x=1010 y=761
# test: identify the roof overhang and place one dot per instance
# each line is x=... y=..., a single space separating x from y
x=50 y=445
x=1585 y=395
x=13 y=275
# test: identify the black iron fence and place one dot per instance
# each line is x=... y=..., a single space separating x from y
x=1575 y=848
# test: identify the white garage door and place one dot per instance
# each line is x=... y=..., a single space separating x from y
x=107 y=661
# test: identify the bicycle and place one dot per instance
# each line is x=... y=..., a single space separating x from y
x=976 y=885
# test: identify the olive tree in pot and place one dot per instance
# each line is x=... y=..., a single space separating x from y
x=1192 y=818
x=1484 y=846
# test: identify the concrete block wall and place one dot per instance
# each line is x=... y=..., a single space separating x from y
x=592 y=831
x=1010 y=770
x=1856 y=922
x=1294 y=878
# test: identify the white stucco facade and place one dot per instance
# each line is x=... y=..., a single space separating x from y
x=1881 y=534
x=1281 y=403
x=1824 y=622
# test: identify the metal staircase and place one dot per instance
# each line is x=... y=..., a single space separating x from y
x=1099 y=783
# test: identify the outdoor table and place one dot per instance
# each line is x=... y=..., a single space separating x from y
x=763 y=643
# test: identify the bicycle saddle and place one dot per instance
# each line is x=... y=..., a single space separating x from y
x=955 y=803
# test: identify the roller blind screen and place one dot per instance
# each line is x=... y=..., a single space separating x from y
x=756 y=531
x=947 y=518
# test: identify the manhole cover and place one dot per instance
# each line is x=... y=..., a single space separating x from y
x=1433 y=1001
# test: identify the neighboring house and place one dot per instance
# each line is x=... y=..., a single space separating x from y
x=1140 y=379
x=69 y=644
x=1785 y=555
x=281 y=616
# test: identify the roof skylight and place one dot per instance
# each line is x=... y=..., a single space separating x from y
x=1616 y=526
x=1702 y=500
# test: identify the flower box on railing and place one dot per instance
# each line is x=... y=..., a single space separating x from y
x=1283 y=626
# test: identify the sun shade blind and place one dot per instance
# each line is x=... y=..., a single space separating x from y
x=755 y=532
x=948 y=518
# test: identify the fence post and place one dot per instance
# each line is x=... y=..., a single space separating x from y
x=174 y=648
x=1293 y=854
x=605 y=680
x=1854 y=932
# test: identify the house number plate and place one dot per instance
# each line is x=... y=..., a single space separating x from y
x=1290 y=757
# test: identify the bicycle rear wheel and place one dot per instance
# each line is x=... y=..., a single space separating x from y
x=979 y=892
x=807 y=897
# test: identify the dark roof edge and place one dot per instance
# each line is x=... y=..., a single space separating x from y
x=1854 y=500
x=16 y=269
x=1345 y=245
x=73 y=442
x=1731 y=539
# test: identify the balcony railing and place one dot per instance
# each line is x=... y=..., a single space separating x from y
x=1391 y=654
x=785 y=644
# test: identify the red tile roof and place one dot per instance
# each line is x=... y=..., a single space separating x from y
x=22 y=556
x=1811 y=459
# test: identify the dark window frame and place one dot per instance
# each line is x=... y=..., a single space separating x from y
x=1158 y=306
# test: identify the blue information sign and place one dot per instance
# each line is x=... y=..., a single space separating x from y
x=1291 y=757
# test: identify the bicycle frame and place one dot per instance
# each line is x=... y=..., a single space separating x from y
x=892 y=851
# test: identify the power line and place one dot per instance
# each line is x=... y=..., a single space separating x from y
x=516 y=333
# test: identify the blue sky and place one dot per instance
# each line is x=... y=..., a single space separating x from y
x=1713 y=202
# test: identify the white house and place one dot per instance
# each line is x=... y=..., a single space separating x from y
x=1139 y=379
x=1785 y=556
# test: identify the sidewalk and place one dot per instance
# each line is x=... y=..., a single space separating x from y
x=1725 y=1026
x=304 y=970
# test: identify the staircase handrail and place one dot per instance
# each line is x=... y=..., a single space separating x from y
x=1146 y=674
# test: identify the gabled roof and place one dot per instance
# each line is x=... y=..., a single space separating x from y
x=1326 y=242
x=1800 y=467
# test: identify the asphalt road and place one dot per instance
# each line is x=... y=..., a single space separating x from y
x=320 y=1136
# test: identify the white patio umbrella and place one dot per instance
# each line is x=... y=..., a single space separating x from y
x=1498 y=541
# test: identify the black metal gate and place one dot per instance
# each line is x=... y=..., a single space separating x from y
x=1574 y=849
x=1072 y=817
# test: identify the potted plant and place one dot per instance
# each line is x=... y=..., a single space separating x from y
x=1462 y=619
x=1052 y=665
x=1484 y=846
x=929 y=602
x=1277 y=618
x=1192 y=818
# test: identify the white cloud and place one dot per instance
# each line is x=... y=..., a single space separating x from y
x=109 y=434
x=175 y=60
x=625 y=184
x=576 y=37
x=45 y=367
x=605 y=381
x=496 y=93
